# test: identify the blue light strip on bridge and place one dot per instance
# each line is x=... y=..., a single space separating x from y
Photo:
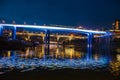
x=55 y=28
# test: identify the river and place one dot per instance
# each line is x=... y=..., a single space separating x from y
x=102 y=57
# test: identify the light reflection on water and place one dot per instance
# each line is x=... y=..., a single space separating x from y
x=55 y=52
x=59 y=57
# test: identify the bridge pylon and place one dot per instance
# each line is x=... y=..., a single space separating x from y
x=47 y=41
x=14 y=33
x=90 y=39
x=1 y=30
x=89 y=46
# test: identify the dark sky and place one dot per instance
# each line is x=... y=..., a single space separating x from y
x=89 y=13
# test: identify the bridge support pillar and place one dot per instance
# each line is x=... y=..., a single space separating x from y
x=43 y=38
x=14 y=33
x=1 y=30
x=47 y=41
x=28 y=37
x=90 y=39
x=89 y=46
x=70 y=38
x=108 y=38
x=58 y=39
x=47 y=37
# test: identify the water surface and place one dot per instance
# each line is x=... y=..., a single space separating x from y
x=103 y=58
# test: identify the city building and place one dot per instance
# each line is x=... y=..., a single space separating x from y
x=116 y=29
x=116 y=25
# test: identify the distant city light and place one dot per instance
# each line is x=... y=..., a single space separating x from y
x=13 y=22
x=3 y=21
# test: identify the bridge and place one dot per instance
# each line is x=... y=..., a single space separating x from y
x=49 y=29
x=58 y=36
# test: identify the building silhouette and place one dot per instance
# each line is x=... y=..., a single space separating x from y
x=116 y=25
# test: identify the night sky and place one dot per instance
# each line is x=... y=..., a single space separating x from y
x=88 y=13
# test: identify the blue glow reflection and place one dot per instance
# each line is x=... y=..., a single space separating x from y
x=26 y=63
x=59 y=58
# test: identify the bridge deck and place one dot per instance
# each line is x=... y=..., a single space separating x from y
x=51 y=28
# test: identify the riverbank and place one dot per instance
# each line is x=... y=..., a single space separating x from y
x=60 y=74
